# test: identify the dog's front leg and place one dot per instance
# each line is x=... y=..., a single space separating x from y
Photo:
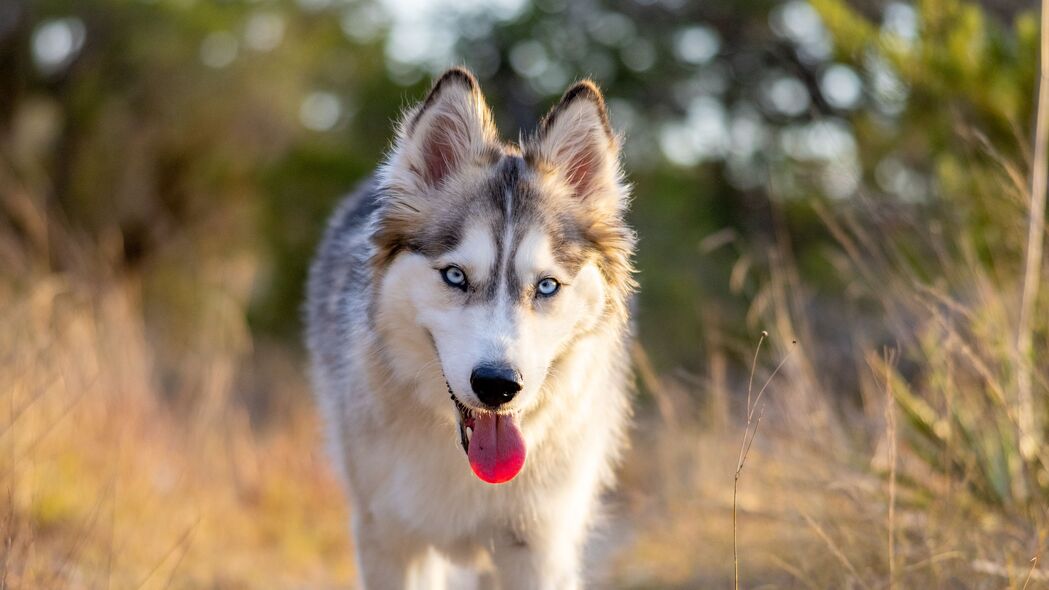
x=547 y=561
x=385 y=557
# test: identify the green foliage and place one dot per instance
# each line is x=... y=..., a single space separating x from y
x=968 y=121
x=970 y=80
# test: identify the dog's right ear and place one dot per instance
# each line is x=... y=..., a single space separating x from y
x=446 y=132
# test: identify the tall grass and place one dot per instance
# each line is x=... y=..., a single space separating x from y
x=114 y=473
x=128 y=463
x=125 y=462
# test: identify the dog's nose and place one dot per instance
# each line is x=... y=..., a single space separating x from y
x=495 y=385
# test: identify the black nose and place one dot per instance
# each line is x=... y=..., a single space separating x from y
x=495 y=385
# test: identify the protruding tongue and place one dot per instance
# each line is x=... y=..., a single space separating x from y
x=497 y=449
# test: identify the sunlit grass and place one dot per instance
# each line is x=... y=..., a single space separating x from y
x=105 y=485
x=110 y=479
x=176 y=449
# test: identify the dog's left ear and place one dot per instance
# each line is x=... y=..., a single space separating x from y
x=575 y=144
x=575 y=140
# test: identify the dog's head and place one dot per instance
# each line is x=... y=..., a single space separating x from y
x=492 y=260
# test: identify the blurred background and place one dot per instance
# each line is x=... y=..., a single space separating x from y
x=856 y=177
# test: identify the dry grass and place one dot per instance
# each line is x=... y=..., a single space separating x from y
x=170 y=448
x=109 y=479
x=104 y=484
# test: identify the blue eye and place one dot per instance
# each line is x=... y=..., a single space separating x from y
x=547 y=287
x=454 y=276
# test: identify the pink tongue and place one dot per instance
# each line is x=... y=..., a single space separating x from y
x=497 y=450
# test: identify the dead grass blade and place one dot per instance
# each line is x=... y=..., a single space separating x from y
x=889 y=358
x=837 y=553
x=182 y=546
x=1030 y=426
x=749 y=432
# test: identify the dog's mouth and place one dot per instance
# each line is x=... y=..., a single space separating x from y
x=466 y=422
x=493 y=442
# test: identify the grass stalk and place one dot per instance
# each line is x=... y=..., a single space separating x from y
x=890 y=435
x=750 y=431
x=1030 y=429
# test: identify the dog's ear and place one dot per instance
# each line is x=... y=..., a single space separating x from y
x=444 y=133
x=576 y=147
x=576 y=142
x=447 y=132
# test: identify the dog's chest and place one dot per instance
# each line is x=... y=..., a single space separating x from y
x=423 y=481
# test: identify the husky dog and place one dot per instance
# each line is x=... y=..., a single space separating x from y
x=468 y=330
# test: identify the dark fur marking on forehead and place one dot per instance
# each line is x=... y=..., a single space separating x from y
x=519 y=214
x=503 y=188
x=532 y=210
x=513 y=282
x=511 y=169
